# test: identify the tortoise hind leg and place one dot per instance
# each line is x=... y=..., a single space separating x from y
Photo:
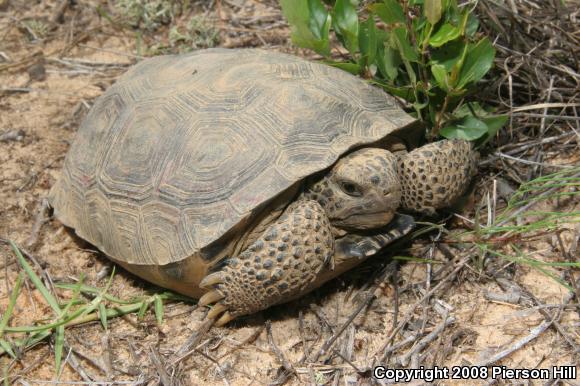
x=277 y=267
x=434 y=176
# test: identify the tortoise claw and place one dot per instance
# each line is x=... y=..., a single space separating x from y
x=225 y=318
x=212 y=279
x=216 y=310
x=210 y=297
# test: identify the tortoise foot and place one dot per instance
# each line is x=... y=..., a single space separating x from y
x=361 y=246
x=279 y=266
x=434 y=176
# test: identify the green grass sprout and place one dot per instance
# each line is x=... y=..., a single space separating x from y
x=95 y=304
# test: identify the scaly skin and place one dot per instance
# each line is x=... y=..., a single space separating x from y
x=277 y=266
x=319 y=236
x=436 y=175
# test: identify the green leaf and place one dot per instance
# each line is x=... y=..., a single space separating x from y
x=76 y=292
x=368 y=40
x=346 y=23
x=441 y=76
x=452 y=13
x=402 y=42
x=64 y=319
x=158 y=309
x=7 y=348
x=477 y=63
x=92 y=290
x=390 y=12
x=405 y=92
x=353 y=68
x=408 y=54
x=432 y=10
x=448 y=54
x=11 y=303
x=103 y=316
x=298 y=14
x=58 y=348
x=494 y=123
x=388 y=62
x=50 y=299
x=472 y=25
x=445 y=33
x=319 y=20
x=468 y=128
x=470 y=108
x=143 y=309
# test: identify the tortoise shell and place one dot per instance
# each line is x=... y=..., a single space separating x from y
x=183 y=148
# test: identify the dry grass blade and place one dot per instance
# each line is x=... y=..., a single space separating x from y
x=538 y=56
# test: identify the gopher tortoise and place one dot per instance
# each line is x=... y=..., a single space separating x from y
x=247 y=178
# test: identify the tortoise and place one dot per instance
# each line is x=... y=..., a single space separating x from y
x=247 y=178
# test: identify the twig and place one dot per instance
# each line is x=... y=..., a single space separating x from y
x=195 y=338
x=528 y=162
x=220 y=370
x=427 y=295
x=301 y=331
x=557 y=326
x=394 y=348
x=524 y=146
x=404 y=360
x=289 y=370
x=537 y=331
x=332 y=339
x=160 y=367
x=347 y=361
x=544 y=106
x=319 y=313
x=246 y=341
x=74 y=363
x=107 y=355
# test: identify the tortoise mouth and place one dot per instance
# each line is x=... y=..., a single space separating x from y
x=365 y=220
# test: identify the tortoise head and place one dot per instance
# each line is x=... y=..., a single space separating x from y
x=361 y=191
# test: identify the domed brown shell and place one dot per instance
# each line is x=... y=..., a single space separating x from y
x=182 y=148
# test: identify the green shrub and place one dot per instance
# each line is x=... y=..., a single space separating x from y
x=146 y=14
x=428 y=52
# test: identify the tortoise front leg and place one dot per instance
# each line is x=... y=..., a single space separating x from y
x=434 y=176
x=284 y=261
x=353 y=248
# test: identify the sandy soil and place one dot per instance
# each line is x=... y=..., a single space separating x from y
x=81 y=57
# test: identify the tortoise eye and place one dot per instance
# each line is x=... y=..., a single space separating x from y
x=351 y=188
